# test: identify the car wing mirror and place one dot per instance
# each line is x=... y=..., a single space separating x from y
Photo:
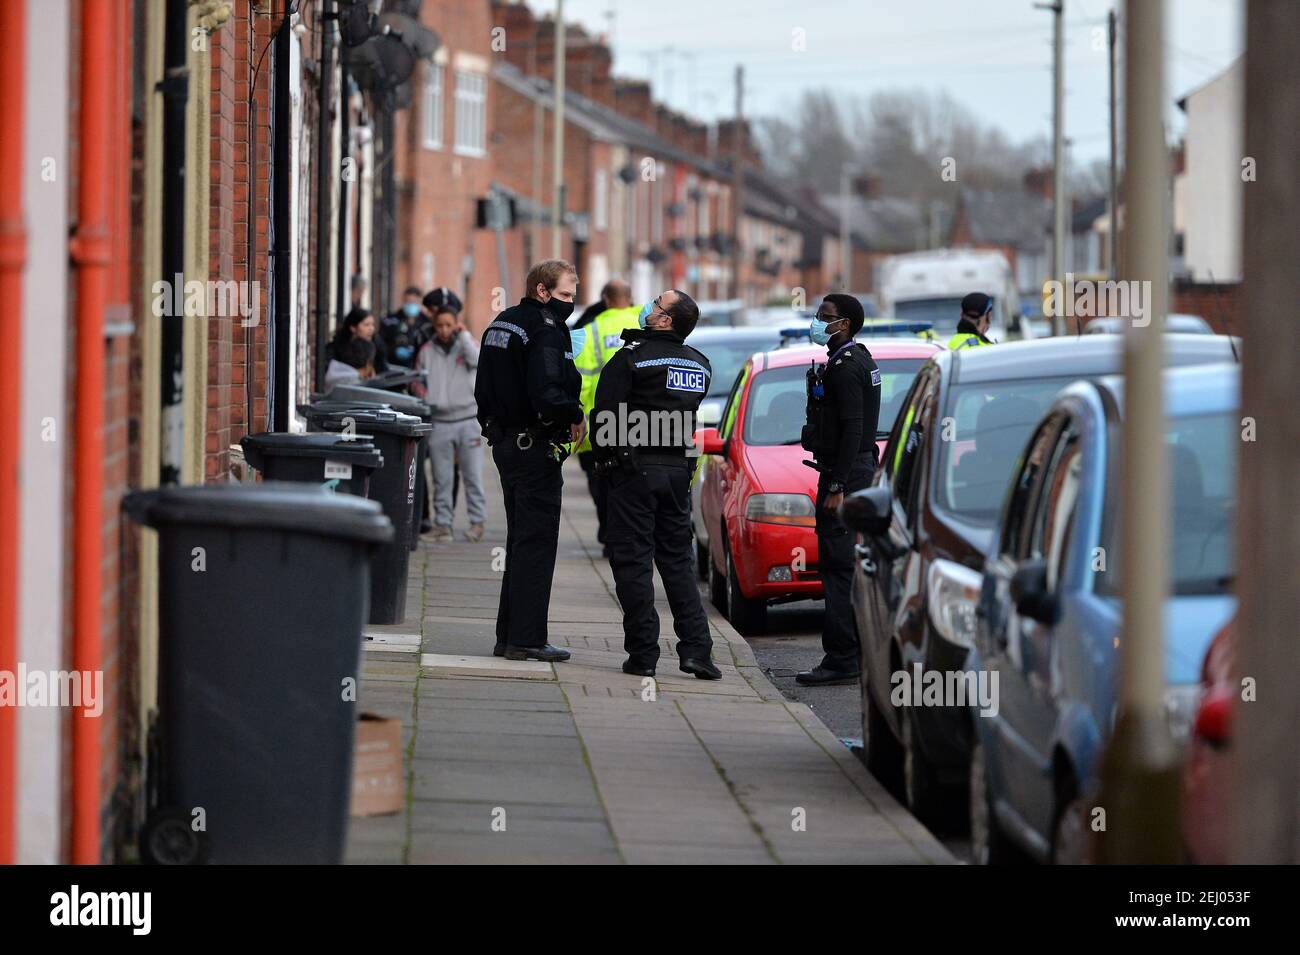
x=709 y=442
x=1030 y=594
x=868 y=511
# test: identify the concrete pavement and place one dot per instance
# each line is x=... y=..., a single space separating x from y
x=581 y=763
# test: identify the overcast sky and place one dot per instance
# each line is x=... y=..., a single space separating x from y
x=994 y=56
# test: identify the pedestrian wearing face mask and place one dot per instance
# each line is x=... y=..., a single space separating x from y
x=527 y=396
x=405 y=331
x=843 y=416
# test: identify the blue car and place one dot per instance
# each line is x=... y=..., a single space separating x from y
x=1048 y=621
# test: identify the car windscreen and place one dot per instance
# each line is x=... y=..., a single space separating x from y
x=727 y=356
x=981 y=436
x=1202 y=461
x=778 y=399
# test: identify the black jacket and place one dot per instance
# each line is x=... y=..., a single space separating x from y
x=851 y=411
x=401 y=338
x=654 y=372
x=526 y=373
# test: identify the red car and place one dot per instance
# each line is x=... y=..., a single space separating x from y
x=1207 y=776
x=756 y=495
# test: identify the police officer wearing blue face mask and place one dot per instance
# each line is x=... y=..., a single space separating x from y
x=843 y=415
x=403 y=332
x=643 y=429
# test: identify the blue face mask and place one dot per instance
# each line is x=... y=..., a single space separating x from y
x=411 y=309
x=819 y=331
x=646 y=309
x=578 y=336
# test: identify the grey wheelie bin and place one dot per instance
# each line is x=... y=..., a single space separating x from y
x=396 y=435
x=262 y=596
x=330 y=460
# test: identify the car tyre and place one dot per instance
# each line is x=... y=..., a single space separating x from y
x=717 y=587
x=988 y=844
x=921 y=788
x=1070 y=831
x=884 y=757
x=702 y=562
x=749 y=617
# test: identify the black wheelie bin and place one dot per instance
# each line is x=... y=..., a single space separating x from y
x=330 y=460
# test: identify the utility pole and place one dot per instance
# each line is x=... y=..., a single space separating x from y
x=557 y=180
x=1264 y=731
x=846 y=254
x=1111 y=54
x=1057 y=8
x=738 y=182
x=1140 y=771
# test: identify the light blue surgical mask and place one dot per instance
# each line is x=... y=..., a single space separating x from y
x=411 y=309
x=578 y=336
x=819 y=331
x=646 y=309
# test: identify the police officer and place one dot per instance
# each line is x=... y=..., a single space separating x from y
x=973 y=326
x=603 y=337
x=527 y=394
x=843 y=416
x=643 y=428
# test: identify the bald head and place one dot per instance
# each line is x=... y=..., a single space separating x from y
x=616 y=294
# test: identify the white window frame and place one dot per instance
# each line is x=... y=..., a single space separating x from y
x=432 y=112
x=471 y=113
x=600 y=201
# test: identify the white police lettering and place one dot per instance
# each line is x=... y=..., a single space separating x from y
x=497 y=338
x=685 y=379
x=613 y=341
x=875 y=376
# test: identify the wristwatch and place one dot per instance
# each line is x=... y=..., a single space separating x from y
x=835 y=487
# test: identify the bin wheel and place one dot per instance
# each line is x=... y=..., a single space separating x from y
x=168 y=838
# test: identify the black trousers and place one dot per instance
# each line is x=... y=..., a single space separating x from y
x=650 y=526
x=598 y=486
x=835 y=565
x=532 y=485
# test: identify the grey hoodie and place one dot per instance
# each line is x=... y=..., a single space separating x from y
x=449 y=377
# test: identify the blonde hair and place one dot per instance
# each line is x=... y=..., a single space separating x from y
x=548 y=275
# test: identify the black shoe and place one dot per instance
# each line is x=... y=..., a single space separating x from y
x=547 y=654
x=499 y=650
x=637 y=669
x=825 y=676
x=701 y=667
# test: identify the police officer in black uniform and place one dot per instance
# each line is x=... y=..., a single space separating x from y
x=843 y=416
x=644 y=453
x=527 y=392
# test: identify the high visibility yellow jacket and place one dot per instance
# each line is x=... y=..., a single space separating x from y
x=604 y=338
x=965 y=340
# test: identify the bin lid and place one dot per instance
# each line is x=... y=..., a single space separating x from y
x=275 y=505
x=356 y=450
x=408 y=404
x=374 y=419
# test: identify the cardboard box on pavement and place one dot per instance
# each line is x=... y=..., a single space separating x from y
x=378 y=786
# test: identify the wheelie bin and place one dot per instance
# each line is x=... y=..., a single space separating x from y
x=262 y=597
x=408 y=404
x=330 y=460
x=396 y=435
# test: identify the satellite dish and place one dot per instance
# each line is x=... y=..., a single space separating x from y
x=356 y=23
x=411 y=31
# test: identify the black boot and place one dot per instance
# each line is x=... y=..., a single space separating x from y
x=547 y=654
x=701 y=667
x=822 y=675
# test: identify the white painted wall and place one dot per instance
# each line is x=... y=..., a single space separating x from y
x=44 y=320
x=1209 y=196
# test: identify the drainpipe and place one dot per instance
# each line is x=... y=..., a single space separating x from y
x=324 y=179
x=91 y=251
x=13 y=255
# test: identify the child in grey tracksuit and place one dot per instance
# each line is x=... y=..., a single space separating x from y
x=449 y=362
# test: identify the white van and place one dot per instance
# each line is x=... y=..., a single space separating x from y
x=929 y=286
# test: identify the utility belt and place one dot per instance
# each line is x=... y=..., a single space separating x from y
x=632 y=461
x=542 y=434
